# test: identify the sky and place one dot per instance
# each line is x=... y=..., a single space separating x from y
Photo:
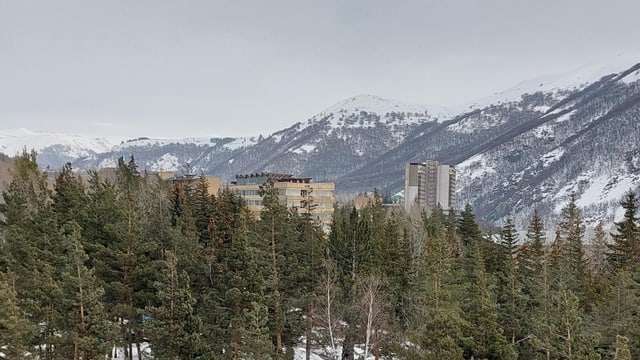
x=165 y=68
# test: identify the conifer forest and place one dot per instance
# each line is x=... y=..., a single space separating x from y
x=114 y=262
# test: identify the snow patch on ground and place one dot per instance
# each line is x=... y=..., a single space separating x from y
x=631 y=78
x=277 y=137
x=475 y=167
x=593 y=188
x=604 y=188
x=485 y=121
x=552 y=156
x=541 y=108
x=166 y=162
x=240 y=142
x=107 y=163
x=543 y=131
x=304 y=149
x=564 y=117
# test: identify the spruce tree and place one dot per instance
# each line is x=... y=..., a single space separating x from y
x=625 y=249
x=236 y=278
x=599 y=247
x=571 y=265
x=511 y=299
x=69 y=197
x=16 y=332
x=436 y=322
x=619 y=315
x=484 y=337
x=276 y=240
x=33 y=253
x=468 y=227
x=86 y=331
x=174 y=329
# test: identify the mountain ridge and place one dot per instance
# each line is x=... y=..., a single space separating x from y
x=503 y=150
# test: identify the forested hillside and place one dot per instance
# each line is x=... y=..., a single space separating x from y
x=132 y=259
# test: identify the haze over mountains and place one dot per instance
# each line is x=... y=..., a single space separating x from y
x=528 y=147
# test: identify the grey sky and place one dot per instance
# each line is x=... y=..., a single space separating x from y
x=210 y=68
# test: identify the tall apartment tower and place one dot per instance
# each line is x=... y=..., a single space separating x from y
x=428 y=184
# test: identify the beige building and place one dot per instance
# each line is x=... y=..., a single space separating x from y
x=429 y=184
x=294 y=192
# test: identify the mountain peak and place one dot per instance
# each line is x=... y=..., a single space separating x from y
x=375 y=104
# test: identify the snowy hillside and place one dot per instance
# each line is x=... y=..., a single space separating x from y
x=13 y=141
x=367 y=110
x=556 y=84
x=189 y=154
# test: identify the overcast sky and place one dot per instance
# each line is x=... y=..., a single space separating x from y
x=169 y=68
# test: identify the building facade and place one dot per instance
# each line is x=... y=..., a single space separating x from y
x=293 y=192
x=429 y=184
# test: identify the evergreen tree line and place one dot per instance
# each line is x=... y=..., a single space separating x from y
x=86 y=267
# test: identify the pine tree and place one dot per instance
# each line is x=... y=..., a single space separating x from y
x=511 y=299
x=531 y=256
x=620 y=313
x=484 y=335
x=558 y=326
x=436 y=322
x=16 y=331
x=350 y=248
x=573 y=270
x=468 y=227
x=126 y=259
x=599 y=249
x=276 y=241
x=33 y=254
x=236 y=279
x=69 y=197
x=509 y=239
x=174 y=329
x=625 y=250
x=254 y=333
x=394 y=257
x=560 y=333
x=86 y=331
x=310 y=249
x=536 y=240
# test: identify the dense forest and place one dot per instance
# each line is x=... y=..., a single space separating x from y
x=89 y=265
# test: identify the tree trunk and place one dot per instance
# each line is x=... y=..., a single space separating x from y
x=347 y=347
x=308 y=335
x=279 y=342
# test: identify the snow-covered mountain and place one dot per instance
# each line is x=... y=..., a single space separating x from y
x=523 y=149
x=53 y=149
x=180 y=155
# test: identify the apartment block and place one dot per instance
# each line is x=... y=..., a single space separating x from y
x=429 y=184
x=293 y=192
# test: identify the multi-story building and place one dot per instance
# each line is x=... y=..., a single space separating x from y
x=429 y=184
x=293 y=192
